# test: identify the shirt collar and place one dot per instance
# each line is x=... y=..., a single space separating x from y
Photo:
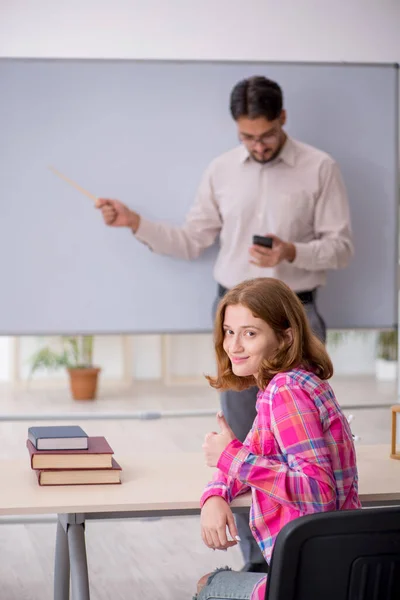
x=288 y=152
x=244 y=154
x=286 y=155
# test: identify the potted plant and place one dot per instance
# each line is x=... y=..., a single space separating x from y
x=75 y=354
x=386 y=361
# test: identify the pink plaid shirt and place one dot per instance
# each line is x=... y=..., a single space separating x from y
x=298 y=459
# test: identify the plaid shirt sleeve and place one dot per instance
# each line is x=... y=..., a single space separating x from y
x=301 y=475
x=225 y=486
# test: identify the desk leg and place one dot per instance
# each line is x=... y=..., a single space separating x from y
x=78 y=562
x=61 y=566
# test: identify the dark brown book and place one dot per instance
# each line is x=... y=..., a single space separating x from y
x=97 y=456
x=80 y=476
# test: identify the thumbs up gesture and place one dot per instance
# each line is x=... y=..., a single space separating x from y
x=215 y=443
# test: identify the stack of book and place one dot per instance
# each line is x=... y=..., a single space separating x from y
x=66 y=455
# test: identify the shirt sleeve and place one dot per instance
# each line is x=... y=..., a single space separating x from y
x=301 y=476
x=332 y=247
x=199 y=231
x=224 y=486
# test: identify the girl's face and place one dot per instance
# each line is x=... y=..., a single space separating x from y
x=248 y=340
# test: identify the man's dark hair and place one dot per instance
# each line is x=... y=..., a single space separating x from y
x=256 y=97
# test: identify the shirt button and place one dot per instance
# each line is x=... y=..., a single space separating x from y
x=254 y=528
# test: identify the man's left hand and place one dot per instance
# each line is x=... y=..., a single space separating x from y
x=270 y=257
x=215 y=443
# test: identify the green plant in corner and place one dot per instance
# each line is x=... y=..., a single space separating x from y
x=337 y=336
x=76 y=352
x=387 y=345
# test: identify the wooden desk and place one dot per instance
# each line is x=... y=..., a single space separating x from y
x=166 y=485
x=379 y=476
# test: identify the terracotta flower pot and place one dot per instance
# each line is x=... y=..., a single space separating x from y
x=84 y=382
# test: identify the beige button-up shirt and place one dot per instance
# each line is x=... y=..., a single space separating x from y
x=300 y=197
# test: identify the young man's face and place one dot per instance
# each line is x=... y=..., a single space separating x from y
x=262 y=138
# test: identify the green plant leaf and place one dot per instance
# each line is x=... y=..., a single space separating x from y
x=76 y=352
x=388 y=345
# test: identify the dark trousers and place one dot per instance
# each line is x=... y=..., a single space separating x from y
x=239 y=409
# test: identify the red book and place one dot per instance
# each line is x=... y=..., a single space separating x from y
x=80 y=476
x=97 y=456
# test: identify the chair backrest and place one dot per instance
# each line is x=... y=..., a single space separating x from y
x=344 y=555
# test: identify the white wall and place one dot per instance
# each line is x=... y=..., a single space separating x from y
x=267 y=30
x=5 y=358
x=309 y=30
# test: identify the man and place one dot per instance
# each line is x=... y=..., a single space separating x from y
x=271 y=185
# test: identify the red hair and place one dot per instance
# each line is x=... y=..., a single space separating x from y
x=275 y=303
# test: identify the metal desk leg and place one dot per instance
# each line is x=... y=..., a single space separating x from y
x=78 y=561
x=61 y=566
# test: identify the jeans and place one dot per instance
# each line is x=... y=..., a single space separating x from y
x=225 y=584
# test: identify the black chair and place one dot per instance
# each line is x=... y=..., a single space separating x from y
x=346 y=555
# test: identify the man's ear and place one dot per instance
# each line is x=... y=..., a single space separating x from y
x=282 y=117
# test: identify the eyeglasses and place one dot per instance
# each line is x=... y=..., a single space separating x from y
x=264 y=140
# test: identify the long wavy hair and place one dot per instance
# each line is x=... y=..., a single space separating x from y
x=275 y=303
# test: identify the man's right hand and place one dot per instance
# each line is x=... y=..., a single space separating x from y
x=117 y=214
x=216 y=516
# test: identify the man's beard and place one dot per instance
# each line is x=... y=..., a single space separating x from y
x=264 y=161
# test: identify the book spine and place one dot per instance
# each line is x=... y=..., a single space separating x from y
x=32 y=438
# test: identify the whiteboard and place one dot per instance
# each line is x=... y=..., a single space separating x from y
x=144 y=132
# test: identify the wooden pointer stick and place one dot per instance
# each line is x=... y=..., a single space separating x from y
x=75 y=185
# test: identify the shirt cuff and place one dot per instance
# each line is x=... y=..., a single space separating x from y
x=304 y=256
x=146 y=232
x=213 y=491
x=232 y=458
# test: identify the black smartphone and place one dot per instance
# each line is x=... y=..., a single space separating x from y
x=262 y=240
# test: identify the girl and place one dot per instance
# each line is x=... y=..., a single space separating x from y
x=299 y=456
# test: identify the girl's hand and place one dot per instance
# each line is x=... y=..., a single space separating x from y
x=215 y=443
x=216 y=517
